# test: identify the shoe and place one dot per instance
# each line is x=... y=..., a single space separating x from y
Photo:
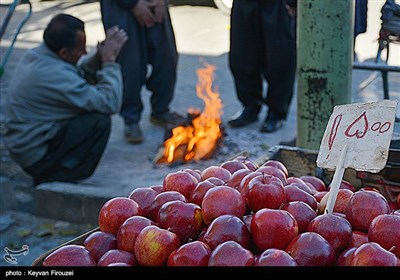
x=133 y=133
x=272 y=123
x=168 y=119
x=247 y=116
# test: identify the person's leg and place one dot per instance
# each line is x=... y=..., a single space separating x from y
x=134 y=67
x=281 y=77
x=75 y=151
x=133 y=74
x=280 y=65
x=133 y=60
x=244 y=60
x=163 y=57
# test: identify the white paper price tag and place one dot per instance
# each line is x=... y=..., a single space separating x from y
x=365 y=129
x=357 y=136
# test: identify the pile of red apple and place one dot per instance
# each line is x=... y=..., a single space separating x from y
x=240 y=214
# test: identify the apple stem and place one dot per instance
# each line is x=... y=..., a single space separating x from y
x=392 y=249
x=335 y=184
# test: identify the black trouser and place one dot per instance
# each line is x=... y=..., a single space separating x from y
x=263 y=46
x=75 y=151
x=153 y=46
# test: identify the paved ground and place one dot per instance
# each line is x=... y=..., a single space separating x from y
x=202 y=37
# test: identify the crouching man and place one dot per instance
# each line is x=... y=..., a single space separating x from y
x=58 y=109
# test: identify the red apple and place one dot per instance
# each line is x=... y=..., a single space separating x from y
x=200 y=191
x=222 y=200
x=216 y=171
x=237 y=177
x=342 y=199
x=293 y=179
x=129 y=230
x=301 y=185
x=117 y=256
x=336 y=230
x=191 y=254
x=294 y=193
x=385 y=230
x=373 y=254
x=319 y=195
x=231 y=253
x=243 y=187
x=154 y=245
x=99 y=242
x=358 y=238
x=265 y=191
x=70 y=255
x=316 y=182
x=302 y=212
x=271 y=228
x=248 y=162
x=270 y=170
x=181 y=182
x=275 y=257
x=143 y=197
x=233 y=165
x=115 y=212
x=157 y=188
x=363 y=207
x=227 y=227
x=346 y=185
x=194 y=173
x=183 y=218
x=299 y=182
x=307 y=188
x=311 y=249
x=216 y=181
x=345 y=257
x=162 y=198
x=277 y=164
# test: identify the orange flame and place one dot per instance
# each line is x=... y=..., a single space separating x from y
x=200 y=138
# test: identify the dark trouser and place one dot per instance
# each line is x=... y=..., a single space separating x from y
x=263 y=46
x=155 y=46
x=75 y=151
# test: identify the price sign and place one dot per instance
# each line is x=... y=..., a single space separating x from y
x=357 y=136
x=365 y=129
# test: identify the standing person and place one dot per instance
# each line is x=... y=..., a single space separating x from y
x=263 y=47
x=151 y=42
x=57 y=122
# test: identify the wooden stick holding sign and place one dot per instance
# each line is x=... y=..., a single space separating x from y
x=336 y=180
x=357 y=136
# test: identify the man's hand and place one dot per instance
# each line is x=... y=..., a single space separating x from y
x=291 y=10
x=159 y=10
x=143 y=13
x=110 y=48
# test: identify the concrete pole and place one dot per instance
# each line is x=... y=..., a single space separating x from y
x=324 y=65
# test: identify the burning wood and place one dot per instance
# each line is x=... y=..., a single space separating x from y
x=200 y=138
